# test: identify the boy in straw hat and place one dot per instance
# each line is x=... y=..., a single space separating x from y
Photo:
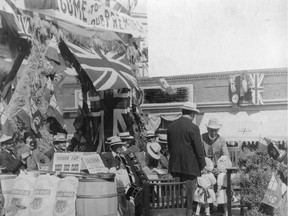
x=214 y=145
x=130 y=143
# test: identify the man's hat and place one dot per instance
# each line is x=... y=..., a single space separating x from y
x=5 y=138
x=190 y=106
x=114 y=140
x=60 y=137
x=213 y=124
x=162 y=138
x=125 y=136
x=150 y=133
x=153 y=149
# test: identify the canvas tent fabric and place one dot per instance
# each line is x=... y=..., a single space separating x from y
x=250 y=126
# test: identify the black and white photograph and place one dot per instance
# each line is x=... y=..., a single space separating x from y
x=184 y=103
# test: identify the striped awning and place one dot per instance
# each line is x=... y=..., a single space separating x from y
x=104 y=70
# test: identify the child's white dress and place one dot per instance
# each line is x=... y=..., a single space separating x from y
x=204 y=192
x=222 y=187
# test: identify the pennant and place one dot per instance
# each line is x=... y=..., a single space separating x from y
x=55 y=111
x=36 y=117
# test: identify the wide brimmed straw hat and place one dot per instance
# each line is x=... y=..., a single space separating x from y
x=4 y=138
x=125 y=136
x=153 y=149
x=150 y=133
x=162 y=138
x=190 y=106
x=60 y=137
x=114 y=140
x=214 y=123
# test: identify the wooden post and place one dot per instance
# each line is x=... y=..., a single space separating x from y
x=229 y=198
x=189 y=197
x=146 y=197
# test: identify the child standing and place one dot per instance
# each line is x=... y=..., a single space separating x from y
x=204 y=193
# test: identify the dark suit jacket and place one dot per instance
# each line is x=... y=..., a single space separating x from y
x=109 y=160
x=11 y=163
x=185 y=148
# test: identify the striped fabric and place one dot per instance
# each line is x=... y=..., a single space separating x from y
x=18 y=24
x=105 y=71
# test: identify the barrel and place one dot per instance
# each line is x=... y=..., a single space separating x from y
x=96 y=196
x=6 y=185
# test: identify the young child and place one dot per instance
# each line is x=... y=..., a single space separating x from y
x=204 y=193
x=223 y=163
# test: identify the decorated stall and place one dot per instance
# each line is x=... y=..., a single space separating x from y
x=57 y=39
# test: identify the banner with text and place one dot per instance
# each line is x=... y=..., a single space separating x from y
x=89 y=16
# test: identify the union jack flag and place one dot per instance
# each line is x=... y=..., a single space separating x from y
x=104 y=70
x=256 y=87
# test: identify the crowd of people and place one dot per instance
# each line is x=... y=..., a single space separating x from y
x=181 y=153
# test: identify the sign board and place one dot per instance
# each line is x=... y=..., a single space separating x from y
x=156 y=95
x=94 y=163
x=67 y=162
x=87 y=17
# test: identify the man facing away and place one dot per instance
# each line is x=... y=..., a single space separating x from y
x=185 y=147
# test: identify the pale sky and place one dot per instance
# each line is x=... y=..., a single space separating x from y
x=201 y=36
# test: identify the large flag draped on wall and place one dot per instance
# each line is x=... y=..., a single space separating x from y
x=112 y=92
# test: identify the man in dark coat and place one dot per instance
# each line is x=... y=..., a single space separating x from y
x=9 y=163
x=185 y=147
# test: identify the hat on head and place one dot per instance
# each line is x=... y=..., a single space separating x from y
x=153 y=149
x=162 y=138
x=223 y=163
x=209 y=164
x=190 y=106
x=4 y=138
x=114 y=140
x=214 y=123
x=27 y=134
x=60 y=137
x=150 y=133
x=125 y=136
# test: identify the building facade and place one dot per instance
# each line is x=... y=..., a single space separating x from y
x=265 y=117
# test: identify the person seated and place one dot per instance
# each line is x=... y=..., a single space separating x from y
x=60 y=142
x=130 y=143
x=152 y=161
x=9 y=162
x=162 y=140
x=150 y=136
x=114 y=157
